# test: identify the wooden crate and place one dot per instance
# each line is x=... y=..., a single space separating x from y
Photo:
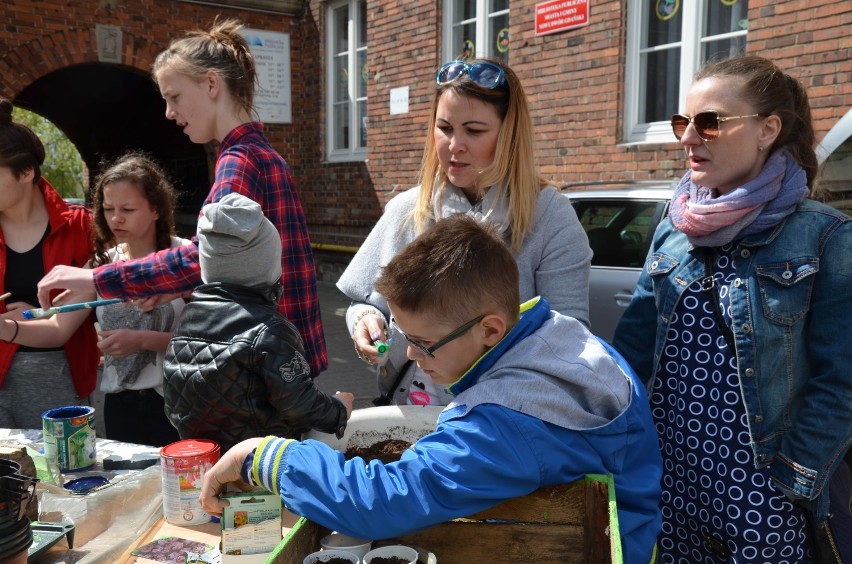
x=564 y=524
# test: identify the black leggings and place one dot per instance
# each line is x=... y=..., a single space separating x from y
x=138 y=416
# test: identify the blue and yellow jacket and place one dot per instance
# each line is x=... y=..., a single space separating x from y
x=547 y=405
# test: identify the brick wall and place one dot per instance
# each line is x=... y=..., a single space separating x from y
x=575 y=82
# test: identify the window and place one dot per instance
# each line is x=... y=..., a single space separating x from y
x=476 y=29
x=835 y=155
x=346 y=107
x=619 y=231
x=667 y=41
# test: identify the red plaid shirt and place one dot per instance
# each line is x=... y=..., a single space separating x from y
x=246 y=164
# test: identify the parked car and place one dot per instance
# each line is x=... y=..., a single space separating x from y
x=619 y=219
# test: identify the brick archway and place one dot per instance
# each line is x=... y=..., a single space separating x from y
x=105 y=109
x=28 y=62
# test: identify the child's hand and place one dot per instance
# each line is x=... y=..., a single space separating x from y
x=347 y=399
x=119 y=343
x=225 y=472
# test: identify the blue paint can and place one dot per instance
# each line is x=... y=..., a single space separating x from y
x=69 y=437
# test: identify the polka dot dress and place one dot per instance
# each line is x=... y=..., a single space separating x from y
x=717 y=508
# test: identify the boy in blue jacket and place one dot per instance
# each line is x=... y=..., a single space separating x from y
x=539 y=401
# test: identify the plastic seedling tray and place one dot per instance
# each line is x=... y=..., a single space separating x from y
x=46 y=535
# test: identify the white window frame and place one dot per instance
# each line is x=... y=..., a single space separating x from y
x=355 y=152
x=690 y=61
x=482 y=40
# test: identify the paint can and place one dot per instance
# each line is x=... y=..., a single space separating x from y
x=69 y=437
x=183 y=465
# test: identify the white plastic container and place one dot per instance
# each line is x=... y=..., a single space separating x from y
x=368 y=426
x=325 y=555
x=405 y=552
x=339 y=541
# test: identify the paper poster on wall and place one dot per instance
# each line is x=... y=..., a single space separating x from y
x=109 y=43
x=271 y=52
x=399 y=100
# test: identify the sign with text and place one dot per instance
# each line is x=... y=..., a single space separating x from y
x=271 y=52
x=560 y=15
x=399 y=100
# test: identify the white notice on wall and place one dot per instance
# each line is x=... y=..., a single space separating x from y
x=109 y=43
x=271 y=52
x=399 y=100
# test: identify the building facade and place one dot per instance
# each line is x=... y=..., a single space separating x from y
x=602 y=76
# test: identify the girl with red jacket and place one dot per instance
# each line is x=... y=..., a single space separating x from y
x=38 y=230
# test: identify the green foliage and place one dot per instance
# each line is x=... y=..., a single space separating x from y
x=63 y=166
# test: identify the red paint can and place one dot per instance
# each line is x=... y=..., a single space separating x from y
x=184 y=464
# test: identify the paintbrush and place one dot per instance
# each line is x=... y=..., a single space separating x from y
x=42 y=313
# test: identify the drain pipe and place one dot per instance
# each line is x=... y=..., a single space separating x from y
x=334 y=248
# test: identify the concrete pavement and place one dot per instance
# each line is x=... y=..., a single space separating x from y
x=345 y=372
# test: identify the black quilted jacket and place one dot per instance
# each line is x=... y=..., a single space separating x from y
x=235 y=369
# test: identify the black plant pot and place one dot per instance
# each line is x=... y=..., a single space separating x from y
x=8 y=467
x=17 y=492
x=15 y=540
x=16 y=495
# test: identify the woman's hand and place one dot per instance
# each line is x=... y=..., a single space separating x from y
x=65 y=278
x=369 y=328
x=15 y=310
x=119 y=343
x=226 y=471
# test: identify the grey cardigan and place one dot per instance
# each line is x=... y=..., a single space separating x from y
x=553 y=262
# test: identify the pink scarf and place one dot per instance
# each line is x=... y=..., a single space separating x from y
x=709 y=220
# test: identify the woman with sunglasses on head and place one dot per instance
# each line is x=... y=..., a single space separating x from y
x=207 y=79
x=478 y=160
x=738 y=327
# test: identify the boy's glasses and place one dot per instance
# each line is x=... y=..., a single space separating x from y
x=485 y=74
x=706 y=123
x=430 y=351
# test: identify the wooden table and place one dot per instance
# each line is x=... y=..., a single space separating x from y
x=209 y=533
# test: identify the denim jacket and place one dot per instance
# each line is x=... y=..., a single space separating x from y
x=790 y=308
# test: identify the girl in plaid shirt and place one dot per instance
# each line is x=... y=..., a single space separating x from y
x=207 y=79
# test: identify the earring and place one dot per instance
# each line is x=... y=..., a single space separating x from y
x=760 y=147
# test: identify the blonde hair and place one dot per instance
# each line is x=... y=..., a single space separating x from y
x=513 y=170
x=222 y=50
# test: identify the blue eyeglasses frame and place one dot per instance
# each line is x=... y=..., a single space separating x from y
x=481 y=73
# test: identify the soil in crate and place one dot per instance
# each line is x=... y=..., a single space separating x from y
x=387 y=451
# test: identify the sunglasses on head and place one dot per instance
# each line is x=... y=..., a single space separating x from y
x=706 y=123
x=485 y=74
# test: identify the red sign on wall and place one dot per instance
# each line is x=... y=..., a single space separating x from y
x=560 y=15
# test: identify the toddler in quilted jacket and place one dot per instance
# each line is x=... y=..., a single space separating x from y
x=235 y=367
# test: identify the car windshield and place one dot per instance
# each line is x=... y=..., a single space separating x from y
x=619 y=231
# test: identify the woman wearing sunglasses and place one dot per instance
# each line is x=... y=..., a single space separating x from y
x=738 y=326
x=478 y=160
